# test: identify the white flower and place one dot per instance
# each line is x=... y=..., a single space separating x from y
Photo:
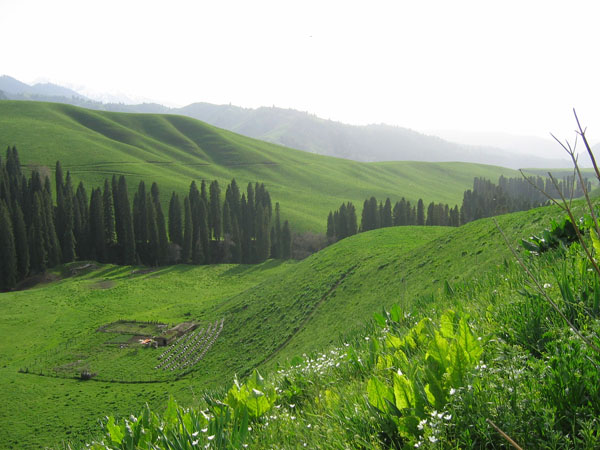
x=432 y=439
x=210 y=438
x=452 y=391
x=448 y=417
x=194 y=434
x=204 y=430
x=422 y=423
x=547 y=285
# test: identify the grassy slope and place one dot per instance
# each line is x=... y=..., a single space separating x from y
x=173 y=150
x=272 y=311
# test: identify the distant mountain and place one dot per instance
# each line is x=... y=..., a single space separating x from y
x=13 y=89
x=310 y=133
x=307 y=132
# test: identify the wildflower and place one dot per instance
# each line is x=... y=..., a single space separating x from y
x=422 y=423
x=211 y=437
x=400 y=372
x=293 y=417
x=194 y=434
x=194 y=443
x=448 y=417
x=433 y=439
x=249 y=428
x=292 y=405
x=204 y=430
x=452 y=391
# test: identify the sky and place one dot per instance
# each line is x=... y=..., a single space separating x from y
x=506 y=66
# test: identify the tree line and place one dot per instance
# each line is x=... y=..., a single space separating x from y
x=485 y=199
x=342 y=222
x=488 y=199
x=36 y=234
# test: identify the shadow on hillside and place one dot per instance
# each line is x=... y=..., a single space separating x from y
x=245 y=269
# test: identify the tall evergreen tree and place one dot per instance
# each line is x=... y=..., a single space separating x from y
x=236 y=249
x=52 y=243
x=216 y=216
x=420 y=213
x=37 y=248
x=126 y=241
x=263 y=244
x=330 y=227
x=97 y=228
x=175 y=224
x=186 y=248
x=227 y=230
x=140 y=223
x=153 y=249
x=386 y=214
x=161 y=227
x=21 y=242
x=276 y=245
x=8 y=262
x=286 y=241
x=68 y=236
x=81 y=223
x=109 y=221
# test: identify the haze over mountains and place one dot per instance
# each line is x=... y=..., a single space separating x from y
x=310 y=133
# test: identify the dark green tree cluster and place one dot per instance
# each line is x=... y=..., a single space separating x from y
x=488 y=199
x=28 y=238
x=342 y=222
x=36 y=235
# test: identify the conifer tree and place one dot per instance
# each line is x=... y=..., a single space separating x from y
x=59 y=221
x=37 y=248
x=386 y=214
x=216 y=216
x=236 y=248
x=8 y=261
x=97 y=228
x=420 y=213
x=126 y=241
x=263 y=244
x=286 y=241
x=109 y=221
x=227 y=230
x=153 y=250
x=53 y=245
x=68 y=236
x=161 y=226
x=276 y=245
x=330 y=227
x=81 y=223
x=140 y=223
x=21 y=242
x=186 y=248
x=175 y=225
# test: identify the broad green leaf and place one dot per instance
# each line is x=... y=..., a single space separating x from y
x=379 y=320
x=404 y=393
x=115 y=431
x=396 y=313
x=170 y=414
x=447 y=324
x=393 y=341
x=378 y=392
x=595 y=242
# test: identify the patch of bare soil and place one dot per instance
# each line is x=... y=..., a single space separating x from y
x=106 y=284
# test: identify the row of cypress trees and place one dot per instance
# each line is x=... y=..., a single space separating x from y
x=488 y=199
x=342 y=222
x=36 y=235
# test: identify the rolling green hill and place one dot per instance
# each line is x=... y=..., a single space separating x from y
x=271 y=312
x=173 y=150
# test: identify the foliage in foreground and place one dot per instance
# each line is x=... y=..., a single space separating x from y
x=418 y=378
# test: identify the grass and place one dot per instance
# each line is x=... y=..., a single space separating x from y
x=174 y=150
x=272 y=311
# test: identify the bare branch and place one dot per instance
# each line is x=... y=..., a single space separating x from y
x=581 y=133
x=543 y=292
x=504 y=435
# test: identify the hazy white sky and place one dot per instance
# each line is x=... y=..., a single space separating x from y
x=509 y=66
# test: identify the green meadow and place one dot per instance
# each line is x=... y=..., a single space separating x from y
x=272 y=312
x=174 y=150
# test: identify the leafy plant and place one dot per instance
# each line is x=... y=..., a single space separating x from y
x=561 y=234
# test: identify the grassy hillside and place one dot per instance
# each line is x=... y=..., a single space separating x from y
x=271 y=312
x=173 y=150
